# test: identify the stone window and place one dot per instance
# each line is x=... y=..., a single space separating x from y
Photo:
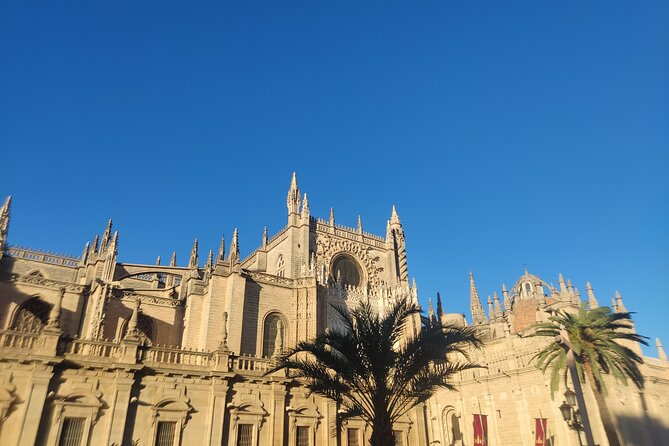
x=72 y=432
x=353 y=437
x=346 y=270
x=165 y=433
x=399 y=438
x=245 y=435
x=302 y=436
x=31 y=316
x=280 y=266
x=273 y=327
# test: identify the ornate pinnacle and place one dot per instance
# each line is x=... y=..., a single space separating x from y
x=660 y=350
x=234 y=247
x=478 y=315
x=158 y=261
x=359 y=224
x=278 y=341
x=293 y=198
x=430 y=311
x=264 y=237
x=498 y=305
x=620 y=306
x=210 y=260
x=394 y=218
x=221 y=250
x=133 y=331
x=305 y=207
x=193 y=261
x=224 y=333
x=54 y=315
x=332 y=220
x=440 y=308
x=173 y=259
x=592 y=300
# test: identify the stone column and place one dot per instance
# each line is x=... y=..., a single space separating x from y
x=119 y=406
x=278 y=411
x=34 y=404
x=219 y=395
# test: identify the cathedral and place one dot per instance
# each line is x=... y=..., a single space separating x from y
x=94 y=351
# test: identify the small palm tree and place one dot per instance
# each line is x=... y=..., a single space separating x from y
x=594 y=335
x=374 y=369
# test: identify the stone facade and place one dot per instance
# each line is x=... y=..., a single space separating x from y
x=94 y=351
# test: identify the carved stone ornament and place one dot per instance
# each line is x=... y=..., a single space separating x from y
x=327 y=247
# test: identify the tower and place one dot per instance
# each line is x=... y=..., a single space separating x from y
x=4 y=225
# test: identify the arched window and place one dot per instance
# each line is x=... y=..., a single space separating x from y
x=451 y=423
x=145 y=327
x=346 y=270
x=31 y=316
x=272 y=329
x=280 y=266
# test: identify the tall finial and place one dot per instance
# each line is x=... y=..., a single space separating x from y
x=293 y=198
x=278 y=341
x=491 y=311
x=94 y=245
x=193 y=261
x=507 y=298
x=305 y=207
x=133 y=330
x=430 y=311
x=264 y=237
x=54 y=315
x=592 y=300
x=440 y=307
x=332 y=220
x=106 y=236
x=498 y=305
x=158 y=261
x=221 y=251
x=224 y=333
x=620 y=306
x=359 y=224
x=84 y=254
x=478 y=315
x=563 y=287
x=173 y=259
x=234 y=247
x=210 y=260
x=660 y=350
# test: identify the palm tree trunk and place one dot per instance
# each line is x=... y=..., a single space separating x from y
x=382 y=431
x=604 y=413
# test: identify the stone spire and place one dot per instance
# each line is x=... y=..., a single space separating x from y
x=234 y=248
x=94 y=245
x=4 y=224
x=491 y=312
x=193 y=261
x=592 y=300
x=293 y=198
x=399 y=244
x=173 y=259
x=221 y=251
x=478 y=315
x=106 y=237
x=507 y=298
x=660 y=350
x=210 y=261
x=264 y=237
x=84 y=255
x=563 y=287
x=359 y=225
x=158 y=261
x=620 y=306
x=430 y=311
x=305 y=208
x=440 y=308
x=331 y=220
x=498 y=305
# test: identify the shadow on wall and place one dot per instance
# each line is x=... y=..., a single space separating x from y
x=643 y=431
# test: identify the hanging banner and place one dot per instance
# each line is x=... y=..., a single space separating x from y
x=540 y=431
x=480 y=430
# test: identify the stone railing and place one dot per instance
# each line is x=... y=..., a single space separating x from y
x=176 y=356
x=94 y=349
x=18 y=340
x=43 y=257
x=250 y=365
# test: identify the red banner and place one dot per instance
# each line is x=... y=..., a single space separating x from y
x=480 y=430
x=540 y=431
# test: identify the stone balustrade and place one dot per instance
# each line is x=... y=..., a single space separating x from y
x=17 y=340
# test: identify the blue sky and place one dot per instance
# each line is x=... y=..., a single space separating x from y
x=507 y=133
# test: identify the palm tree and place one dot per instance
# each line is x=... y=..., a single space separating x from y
x=374 y=369
x=594 y=336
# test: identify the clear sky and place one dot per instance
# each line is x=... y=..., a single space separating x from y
x=507 y=133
